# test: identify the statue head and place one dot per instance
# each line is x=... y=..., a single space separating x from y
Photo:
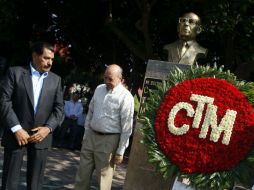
x=189 y=26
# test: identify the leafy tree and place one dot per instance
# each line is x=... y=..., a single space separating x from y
x=100 y=32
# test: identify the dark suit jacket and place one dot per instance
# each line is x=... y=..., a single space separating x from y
x=16 y=105
x=192 y=54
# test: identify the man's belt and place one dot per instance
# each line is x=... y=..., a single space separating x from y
x=102 y=133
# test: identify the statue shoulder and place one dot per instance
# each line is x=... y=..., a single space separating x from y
x=171 y=45
x=199 y=48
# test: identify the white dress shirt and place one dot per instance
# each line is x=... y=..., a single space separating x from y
x=112 y=112
x=37 y=80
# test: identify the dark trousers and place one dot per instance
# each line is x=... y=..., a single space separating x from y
x=13 y=159
x=72 y=127
x=79 y=137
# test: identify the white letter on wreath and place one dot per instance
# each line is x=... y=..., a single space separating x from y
x=226 y=124
x=172 y=114
x=201 y=101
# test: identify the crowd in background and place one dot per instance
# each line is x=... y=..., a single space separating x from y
x=70 y=134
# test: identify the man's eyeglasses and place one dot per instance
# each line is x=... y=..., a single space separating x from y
x=191 y=21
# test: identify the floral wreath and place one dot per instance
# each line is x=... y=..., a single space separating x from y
x=199 y=124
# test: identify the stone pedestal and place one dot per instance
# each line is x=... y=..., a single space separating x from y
x=141 y=174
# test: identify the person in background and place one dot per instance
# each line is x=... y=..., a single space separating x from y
x=81 y=129
x=108 y=127
x=73 y=109
x=186 y=50
x=31 y=105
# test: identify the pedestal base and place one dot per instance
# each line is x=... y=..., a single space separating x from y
x=140 y=173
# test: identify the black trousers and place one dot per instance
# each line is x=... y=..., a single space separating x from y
x=13 y=159
x=71 y=125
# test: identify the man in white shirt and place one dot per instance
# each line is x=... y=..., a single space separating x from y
x=73 y=109
x=108 y=127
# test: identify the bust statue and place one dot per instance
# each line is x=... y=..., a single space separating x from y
x=186 y=50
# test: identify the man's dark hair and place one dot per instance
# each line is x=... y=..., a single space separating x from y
x=38 y=47
x=76 y=94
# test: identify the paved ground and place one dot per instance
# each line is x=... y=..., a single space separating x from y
x=61 y=170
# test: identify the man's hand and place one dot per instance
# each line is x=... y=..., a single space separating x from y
x=41 y=133
x=73 y=117
x=118 y=159
x=22 y=137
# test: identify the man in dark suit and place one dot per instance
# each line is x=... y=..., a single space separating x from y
x=186 y=50
x=31 y=105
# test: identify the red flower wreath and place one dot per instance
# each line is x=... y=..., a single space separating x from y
x=201 y=155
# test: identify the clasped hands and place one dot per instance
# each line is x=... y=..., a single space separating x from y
x=73 y=117
x=39 y=134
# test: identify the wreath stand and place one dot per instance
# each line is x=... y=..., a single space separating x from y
x=141 y=175
x=200 y=84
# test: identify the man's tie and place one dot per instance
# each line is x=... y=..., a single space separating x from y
x=184 y=48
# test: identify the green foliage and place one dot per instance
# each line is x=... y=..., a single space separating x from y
x=221 y=180
x=125 y=32
x=226 y=15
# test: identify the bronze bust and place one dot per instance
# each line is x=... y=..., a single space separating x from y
x=186 y=50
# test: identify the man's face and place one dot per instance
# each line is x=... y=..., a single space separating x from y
x=188 y=27
x=111 y=79
x=43 y=63
x=75 y=97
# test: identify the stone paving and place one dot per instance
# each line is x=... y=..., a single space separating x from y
x=61 y=169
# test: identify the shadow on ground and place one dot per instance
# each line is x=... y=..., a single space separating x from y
x=61 y=169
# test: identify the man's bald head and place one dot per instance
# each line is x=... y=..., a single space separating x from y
x=113 y=76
